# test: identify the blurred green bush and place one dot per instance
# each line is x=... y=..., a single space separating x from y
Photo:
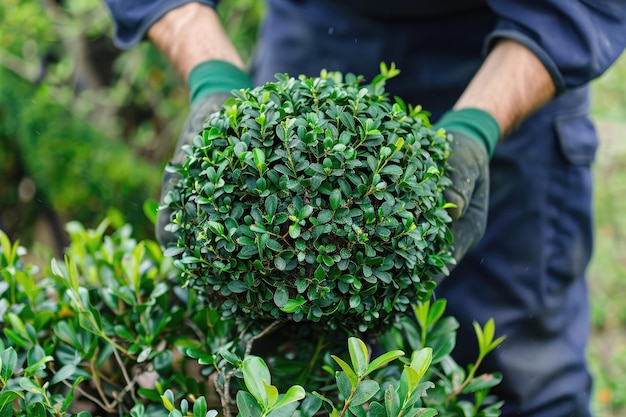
x=85 y=129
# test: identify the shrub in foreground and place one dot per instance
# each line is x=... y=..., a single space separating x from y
x=110 y=332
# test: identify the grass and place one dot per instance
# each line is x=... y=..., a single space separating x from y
x=607 y=271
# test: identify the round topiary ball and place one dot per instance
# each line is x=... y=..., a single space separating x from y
x=314 y=199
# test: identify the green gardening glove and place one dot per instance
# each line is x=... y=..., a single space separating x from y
x=474 y=136
x=210 y=84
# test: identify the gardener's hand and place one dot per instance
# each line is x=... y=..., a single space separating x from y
x=210 y=84
x=474 y=135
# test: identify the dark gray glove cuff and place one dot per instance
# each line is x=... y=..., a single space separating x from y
x=200 y=111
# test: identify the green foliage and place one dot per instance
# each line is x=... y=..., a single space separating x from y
x=66 y=127
x=108 y=315
x=109 y=331
x=314 y=199
x=86 y=129
x=261 y=398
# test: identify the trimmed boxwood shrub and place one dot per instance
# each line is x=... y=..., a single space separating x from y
x=314 y=199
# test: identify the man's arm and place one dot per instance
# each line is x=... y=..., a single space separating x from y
x=510 y=85
x=192 y=34
x=193 y=39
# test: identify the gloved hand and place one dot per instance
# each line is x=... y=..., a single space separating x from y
x=474 y=135
x=210 y=84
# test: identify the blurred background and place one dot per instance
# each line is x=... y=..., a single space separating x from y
x=86 y=129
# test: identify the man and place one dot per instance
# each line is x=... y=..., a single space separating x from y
x=515 y=75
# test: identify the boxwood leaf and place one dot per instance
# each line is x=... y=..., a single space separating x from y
x=281 y=296
x=255 y=376
x=384 y=359
x=293 y=305
x=335 y=199
x=358 y=355
x=247 y=405
x=9 y=362
x=350 y=374
x=364 y=392
x=271 y=204
x=64 y=373
x=237 y=286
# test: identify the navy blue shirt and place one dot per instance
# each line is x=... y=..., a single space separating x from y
x=575 y=40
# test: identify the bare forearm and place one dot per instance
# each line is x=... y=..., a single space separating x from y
x=510 y=85
x=192 y=34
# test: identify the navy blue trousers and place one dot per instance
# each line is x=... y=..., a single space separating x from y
x=528 y=271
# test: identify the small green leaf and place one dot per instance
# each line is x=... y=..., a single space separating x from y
x=259 y=159
x=9 y=362
x=7 y=397
x=230 y=357
x=364 y=392
x=436 y=310
x=200 y=407
x=247 y=405
x=294 y=230
x=485 y=337
x=274 y=245
x=64 y=373
x=54 y=266
x=324 y=216
x=392 y=170
x=69 y=397
x=237 y=286
x=383 y=360
x=293 y=394
x=150 y=210
x=310 y=406
x=392 y=401
x=31 y=386
x=335 y=199
x=65 y=331
x=36 y=409
x=168 y=400
x=256 y=375
x=15 y=323
x=329 y=404
x=293 y=305
x=484 y=381
x=281 y=296
x=37 y=365
x=358 y=355
x=16 y=339
x=412 y=378
x=272 y=395
x=346 y=368
x=271 y=203
x=145 y=354
x=72 y=272
x=280 y=263
x=344 y=385
x=216 y=227
x=420 y=361
x=377 y=410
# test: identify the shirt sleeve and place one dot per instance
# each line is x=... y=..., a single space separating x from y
x=575 y=40
x=133 y=18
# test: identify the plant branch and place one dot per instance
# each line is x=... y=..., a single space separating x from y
x=270 y=328
x=468 y=379
x=104 y=405
x=129 y=382
x=96 y=379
